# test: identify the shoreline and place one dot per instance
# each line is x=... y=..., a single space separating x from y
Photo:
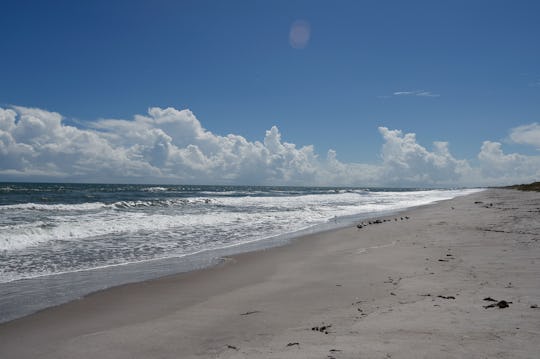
x=355 y=283
x=33 y=294
x=148 y=270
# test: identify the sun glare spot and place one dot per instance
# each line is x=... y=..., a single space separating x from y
x=299 y=34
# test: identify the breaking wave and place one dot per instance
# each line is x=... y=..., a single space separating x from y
x=62 y=228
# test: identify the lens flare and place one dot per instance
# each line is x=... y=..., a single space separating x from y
x=299 y=34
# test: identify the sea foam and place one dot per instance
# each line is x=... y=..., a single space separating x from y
x=66 y=228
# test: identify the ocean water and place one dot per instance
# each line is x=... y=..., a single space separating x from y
x=72 y=239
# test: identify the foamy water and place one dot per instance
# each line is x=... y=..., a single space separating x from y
x=46 y=229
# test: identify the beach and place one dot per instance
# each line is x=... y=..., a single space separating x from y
x=455 y=279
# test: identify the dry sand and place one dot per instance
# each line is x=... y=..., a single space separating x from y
x=411 y=288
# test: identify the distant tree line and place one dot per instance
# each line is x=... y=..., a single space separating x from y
x=535 y=186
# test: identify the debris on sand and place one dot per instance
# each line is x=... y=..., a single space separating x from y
x=500 y=304
x=251 y=312
x=322 y=328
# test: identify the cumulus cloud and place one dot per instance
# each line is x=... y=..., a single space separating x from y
x=167 y=145
x=171 y=146
x=406 y=161
x=500 y=168
x=34 y=141
x=527 y=135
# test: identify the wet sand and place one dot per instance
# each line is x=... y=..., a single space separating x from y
x=405 y=288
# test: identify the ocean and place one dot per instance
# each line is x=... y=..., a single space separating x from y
x=59 y=242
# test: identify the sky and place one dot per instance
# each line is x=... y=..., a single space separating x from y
x=357 y=93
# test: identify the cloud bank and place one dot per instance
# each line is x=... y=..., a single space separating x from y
x=171 y=146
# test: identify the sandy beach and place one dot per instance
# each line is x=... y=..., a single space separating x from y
x=457 y=279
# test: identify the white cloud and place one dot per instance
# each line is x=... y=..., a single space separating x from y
x=499 y=168
x=405 y=161
x=35 y=141
x=404 y=93
x=427 y=94
x=526 y=135
x=420 y=93
x=170 y=145
x=166 y=145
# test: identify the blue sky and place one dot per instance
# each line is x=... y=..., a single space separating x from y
x=464 y=72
